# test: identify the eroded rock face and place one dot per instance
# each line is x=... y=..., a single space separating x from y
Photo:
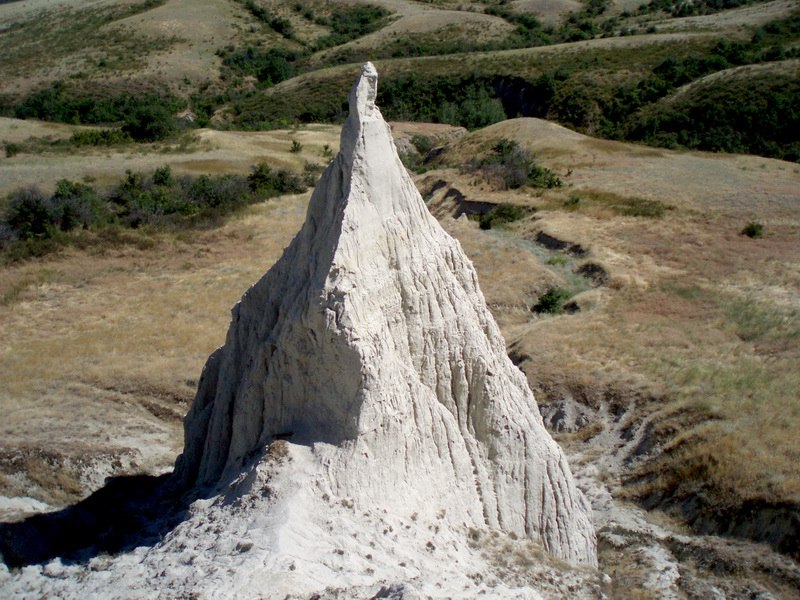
x=370 y=342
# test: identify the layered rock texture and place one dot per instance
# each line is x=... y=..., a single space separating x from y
x=370 y=342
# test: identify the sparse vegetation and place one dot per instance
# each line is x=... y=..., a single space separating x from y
x=630 y=206
x=510 y=166
x=277 y=23
x=753 y=229
x=33 y=223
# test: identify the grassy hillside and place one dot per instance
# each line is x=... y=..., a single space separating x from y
x=605 y=69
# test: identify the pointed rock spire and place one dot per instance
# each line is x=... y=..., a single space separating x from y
x=370 y=343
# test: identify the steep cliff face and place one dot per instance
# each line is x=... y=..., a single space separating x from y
x=370 y=343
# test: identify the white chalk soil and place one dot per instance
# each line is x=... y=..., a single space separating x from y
x=646 y=553
x=279 y=531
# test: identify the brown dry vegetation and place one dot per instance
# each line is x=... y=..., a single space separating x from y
x=694 y=313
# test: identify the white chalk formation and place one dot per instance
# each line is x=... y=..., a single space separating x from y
x=369 y=343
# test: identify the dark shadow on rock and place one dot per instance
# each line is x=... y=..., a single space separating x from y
x=126 y=513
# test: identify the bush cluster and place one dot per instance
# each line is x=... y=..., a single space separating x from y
x=468 y=101
x=415 y=160
x=144 y=118
x=348 y=22
x=268 y=66
x=552 y=301
x=753 y=229
x=511 y=166
x=31 y=214
x=501 y=214
x=100 y=137
x=264 y=182
x=31 y=217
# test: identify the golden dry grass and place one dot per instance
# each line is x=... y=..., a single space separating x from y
x=104 y=349
x=206 y=151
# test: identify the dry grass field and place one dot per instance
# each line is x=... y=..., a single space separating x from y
x=671 y=379
x=693 y=311
x=197 y=152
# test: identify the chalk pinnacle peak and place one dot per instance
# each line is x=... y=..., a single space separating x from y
x=364 y=92
x=362 y=427
x=370 y=343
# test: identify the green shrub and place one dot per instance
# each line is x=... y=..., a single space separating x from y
x=478 y=108
x=311 y=173
x=33 y=224
x=163 y=176
x=12 y=149
x=100 y=137
x=501 y=214
x=468 y=101
x=422 y=143
x=149 y=123
x=351 y=22
x=552 y=301
x=572 y=202
x=77 y=206
x=274 y=22
x=753 y=230
x=296 y=147
x=62 y=103
x=412 y=161
x=510 y=167
x=218 y=195
x=268 y=66
x=265 y=182
x=29 y=213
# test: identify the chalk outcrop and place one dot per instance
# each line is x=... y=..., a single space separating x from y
x=369 y=345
